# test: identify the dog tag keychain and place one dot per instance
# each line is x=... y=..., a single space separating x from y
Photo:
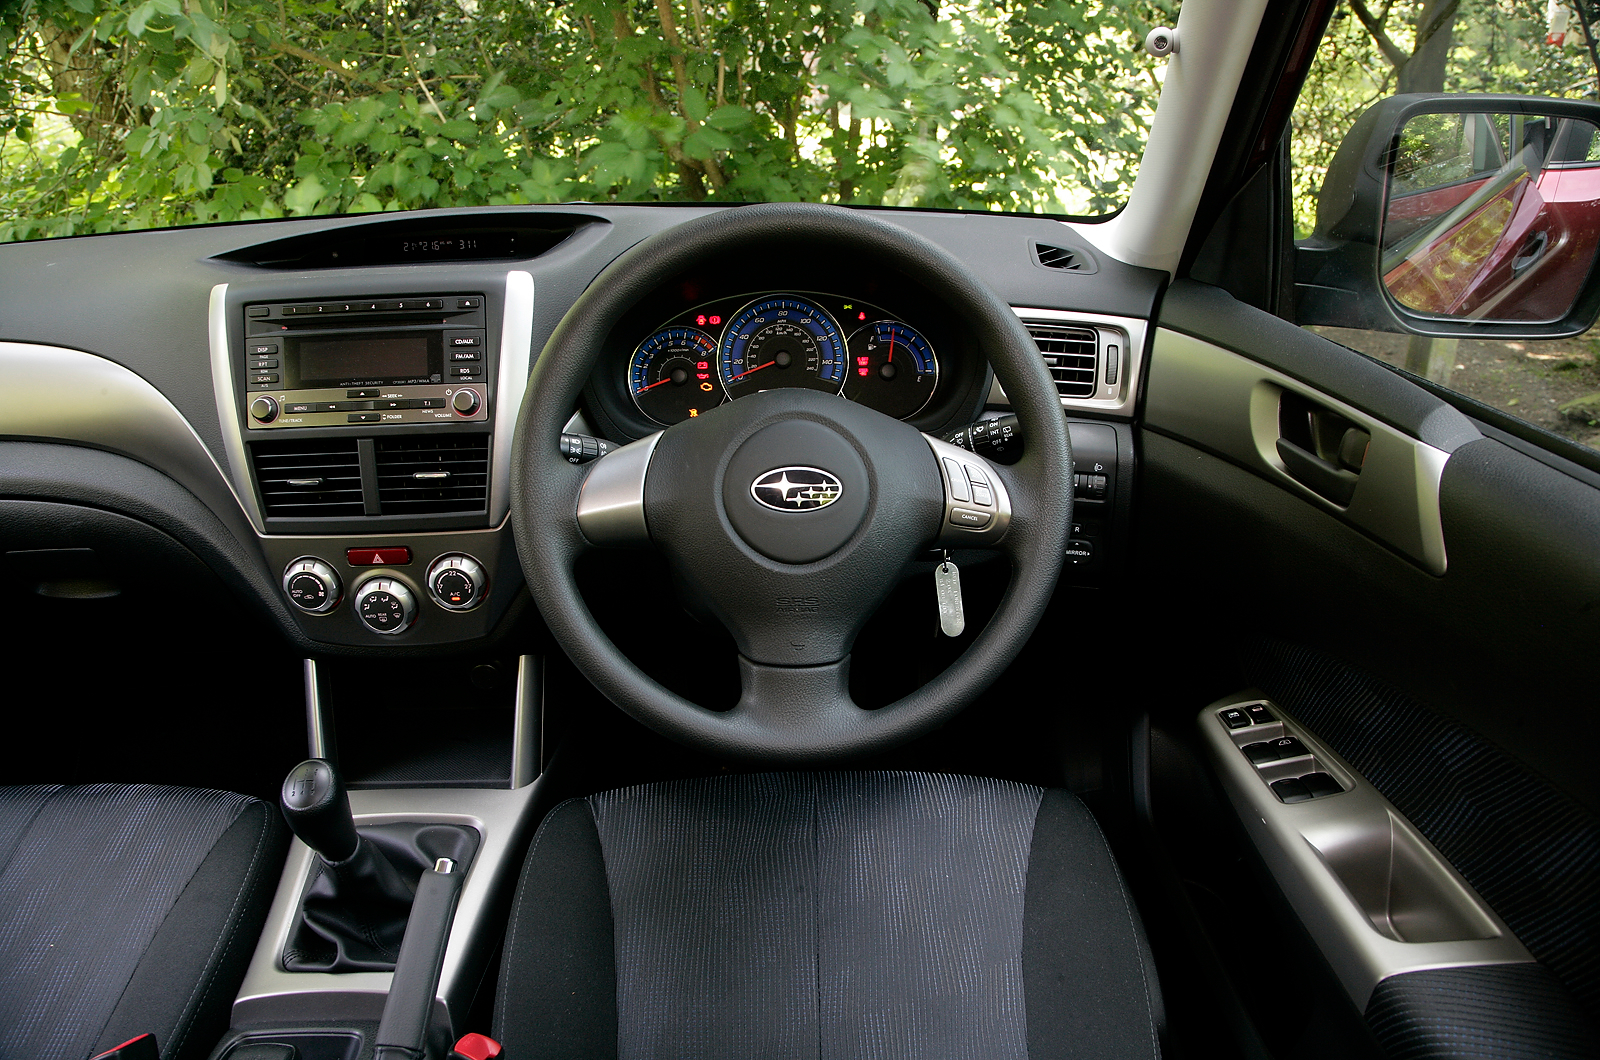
x=947 y=584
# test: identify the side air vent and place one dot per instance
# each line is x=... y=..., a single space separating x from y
x=1056 y=257
x=304 y=480
x=433 y=474
x=1070 y=354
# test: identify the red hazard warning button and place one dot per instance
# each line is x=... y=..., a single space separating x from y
x=393 y=556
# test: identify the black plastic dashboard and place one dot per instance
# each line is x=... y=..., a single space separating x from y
x=148 y=345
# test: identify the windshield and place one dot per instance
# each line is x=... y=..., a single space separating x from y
x=121 y=115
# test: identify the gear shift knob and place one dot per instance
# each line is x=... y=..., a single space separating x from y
x=318 y=810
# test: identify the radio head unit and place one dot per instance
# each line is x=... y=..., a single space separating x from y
x=365 y=361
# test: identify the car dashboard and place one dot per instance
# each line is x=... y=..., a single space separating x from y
x=340 y=394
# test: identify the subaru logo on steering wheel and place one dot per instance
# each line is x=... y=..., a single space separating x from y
x=796 y=489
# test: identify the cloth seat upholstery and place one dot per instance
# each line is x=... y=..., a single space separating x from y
x=829 y=916
x=125 y=909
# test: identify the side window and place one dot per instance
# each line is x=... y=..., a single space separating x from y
x=1484 y=210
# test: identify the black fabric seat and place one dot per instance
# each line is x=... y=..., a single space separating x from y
x=827 y=915
x=125 y=909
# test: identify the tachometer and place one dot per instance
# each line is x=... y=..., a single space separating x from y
x=777 y=342
x=892 y=369
x=671 y=376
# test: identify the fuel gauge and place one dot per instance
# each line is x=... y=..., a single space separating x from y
x=891 y=369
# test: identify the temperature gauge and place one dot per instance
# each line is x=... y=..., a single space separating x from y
x=673 y=375
x=891 y=368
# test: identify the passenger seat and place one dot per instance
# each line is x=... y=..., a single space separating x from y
x=126 y=909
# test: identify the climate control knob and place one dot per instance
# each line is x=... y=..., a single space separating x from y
x=466 y=401
x=457 y=582
x=385 y=605
x=312 y=585
x=264 y=409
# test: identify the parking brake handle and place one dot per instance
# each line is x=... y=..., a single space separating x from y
x=403 y=1030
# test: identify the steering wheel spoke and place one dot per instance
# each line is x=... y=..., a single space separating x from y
x=611 y=500
x=807 y=704
x=977 y=502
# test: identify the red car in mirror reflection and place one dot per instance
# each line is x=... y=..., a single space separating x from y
x=1514 y=243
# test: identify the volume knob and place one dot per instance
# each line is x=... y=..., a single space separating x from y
x=264 y=409
x=465 y=401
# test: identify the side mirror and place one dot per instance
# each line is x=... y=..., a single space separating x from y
x=1448 y=215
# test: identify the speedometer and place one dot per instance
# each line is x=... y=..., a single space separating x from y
x=782 y=342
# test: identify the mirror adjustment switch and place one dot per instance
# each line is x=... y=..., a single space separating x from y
x=1291 y=789
x=1234 y=718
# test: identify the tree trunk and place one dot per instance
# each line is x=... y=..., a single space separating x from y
x=1424 y=71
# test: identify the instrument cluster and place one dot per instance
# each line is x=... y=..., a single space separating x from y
x=723 y=350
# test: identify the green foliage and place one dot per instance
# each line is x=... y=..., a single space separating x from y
x=121 y=114
x=1496 y=46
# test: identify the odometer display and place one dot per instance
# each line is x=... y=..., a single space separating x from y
x=782 y=342
x=672 y=375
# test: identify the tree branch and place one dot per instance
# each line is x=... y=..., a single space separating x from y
x=327 y=64
x=1391 y=51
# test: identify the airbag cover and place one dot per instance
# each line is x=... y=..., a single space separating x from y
x=799 y=535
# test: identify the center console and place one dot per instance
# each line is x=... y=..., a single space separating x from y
x=368 y=431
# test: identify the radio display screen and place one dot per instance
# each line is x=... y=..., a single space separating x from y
x=392 y=358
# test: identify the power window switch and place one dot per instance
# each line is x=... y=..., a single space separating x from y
x=1289 y=747
x=1260 y=753
x=1259 y=715
x=1234 y=718
x=1291 y=789
x=1320 y=784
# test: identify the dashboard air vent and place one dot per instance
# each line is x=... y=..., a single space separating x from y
x=304 y=479
x=1056 y=257
x=1070 y=354
x=433 y=474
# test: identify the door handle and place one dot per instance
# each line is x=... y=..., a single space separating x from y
x=1316 y=474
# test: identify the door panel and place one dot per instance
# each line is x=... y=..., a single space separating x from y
x=1463 y=691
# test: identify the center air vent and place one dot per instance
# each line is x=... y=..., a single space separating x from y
x=306 y=480
x=1056 y=257
x=433 y=474
x=1071 y=355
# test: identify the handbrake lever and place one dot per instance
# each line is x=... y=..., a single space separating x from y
x=403 y=1030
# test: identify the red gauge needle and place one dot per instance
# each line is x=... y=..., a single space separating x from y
x=757 y=368
x=658 y=382
x=891 y=349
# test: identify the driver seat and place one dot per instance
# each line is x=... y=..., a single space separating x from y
x=826 y=915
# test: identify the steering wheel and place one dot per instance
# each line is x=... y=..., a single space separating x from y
x=792 y=512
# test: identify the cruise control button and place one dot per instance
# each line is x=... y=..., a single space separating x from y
x=982 y=495
x=958 y=482
x=969 y=518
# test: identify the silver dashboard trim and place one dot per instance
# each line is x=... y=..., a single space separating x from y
x=611 y=501
x=516 y=352
x=527 y=734
x=1318 y=850
x=501 y=817
x=228 y=405
x=58 y=394
x=1229 y=404
x=1118 y=399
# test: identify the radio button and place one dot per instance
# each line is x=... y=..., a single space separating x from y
x=259 y=311
x=463 y=339
x=300 y=408
x=360 y=393
x=264 y=410
x=469 y=303
x=263 y=363
x=466 y=356
x=430 y=403
x=257 y=380
x=262 y=349
x=363 y=417
x=461 y=370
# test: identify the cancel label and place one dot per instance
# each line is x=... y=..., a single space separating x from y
x=799 y=604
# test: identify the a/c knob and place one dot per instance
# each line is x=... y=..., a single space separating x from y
x=264 y=409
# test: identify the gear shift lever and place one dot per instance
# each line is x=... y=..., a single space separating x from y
x=318 y=810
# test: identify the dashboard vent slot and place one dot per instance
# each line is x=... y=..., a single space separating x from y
x=1071 y=355
x=301 y=480
x=433 y=474
x=1056 y=257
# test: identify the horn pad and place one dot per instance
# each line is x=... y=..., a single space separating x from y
x=797 y=524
